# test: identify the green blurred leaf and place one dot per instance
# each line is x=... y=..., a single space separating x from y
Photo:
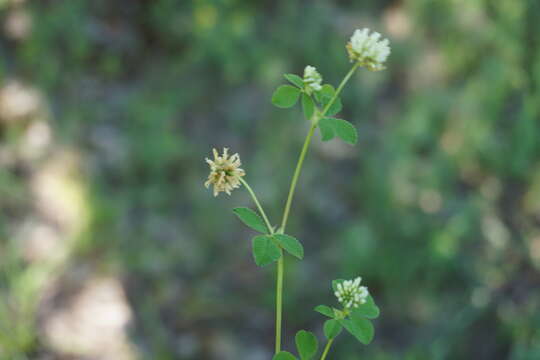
x=344 y=129
x=251 y=219
x=325 y=310
x=307 y=106
x=360 y=328
x=285 y=96
x=306 y=344
x=295 y=80
x=265 y=251
x=369 y=309
x=326 y=129
x=332 y=328
x=290 y=244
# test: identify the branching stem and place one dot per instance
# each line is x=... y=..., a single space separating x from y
x=296 y=175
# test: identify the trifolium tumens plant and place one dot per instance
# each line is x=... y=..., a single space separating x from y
x=320 y=103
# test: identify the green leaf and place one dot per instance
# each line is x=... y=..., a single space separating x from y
x=251 y=219
x=265 y=251
x=345 y=130
x=332 y=328
x=307 y=106
x=295 y=80
x=368 y=310
x=360 y=328
x=325 y=310
x=306 y=344
x=324 y=96
x=290 y=244
x=285 y=96
x=326 y=128
x=284 y=355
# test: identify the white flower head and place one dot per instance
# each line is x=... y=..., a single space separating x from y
x=350 y=294
x=312 y=79
x=369 y=50
x=225 y=172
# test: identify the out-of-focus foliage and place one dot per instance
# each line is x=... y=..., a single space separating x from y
x=111 y=248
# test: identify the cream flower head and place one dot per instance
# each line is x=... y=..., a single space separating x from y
x=369 y=50
x=225 y=172
x=312 y=79
x=350 y=294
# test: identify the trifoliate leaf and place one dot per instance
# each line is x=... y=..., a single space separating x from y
x=332 y=328
x=251 y=219
x=290 y=244
x=306 y=344
x=265 y=251
x=295 y=80
x=284 y=355
x=326 y=128
x=368 y=310
x=285 y=96
x=307 y=106
x=360 y=328
x=325 y=310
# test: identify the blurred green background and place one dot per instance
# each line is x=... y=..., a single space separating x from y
x=111 y=248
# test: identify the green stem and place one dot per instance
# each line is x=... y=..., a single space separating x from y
x=296 y=175
x=258 y=204
x=279 y=285
x=307 y=141
x=340 y=87
x=279 y=301
x=326 y=349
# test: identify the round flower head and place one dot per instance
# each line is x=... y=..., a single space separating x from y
x=369 y=50
x=312 y=79
x=225 y=172
x=350 y=294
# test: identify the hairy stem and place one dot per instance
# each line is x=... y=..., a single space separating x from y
x=326 y=349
